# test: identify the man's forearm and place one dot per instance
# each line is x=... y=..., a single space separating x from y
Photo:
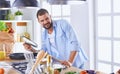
x=72 y=56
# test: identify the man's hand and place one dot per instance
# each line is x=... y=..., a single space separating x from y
x=71 y=59
x=28 y=47
x=66 y=63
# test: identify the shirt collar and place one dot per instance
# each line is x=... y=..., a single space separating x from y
x=54 y=23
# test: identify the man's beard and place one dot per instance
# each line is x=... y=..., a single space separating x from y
x=49 y=26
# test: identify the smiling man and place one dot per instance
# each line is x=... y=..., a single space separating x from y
x=59 y=40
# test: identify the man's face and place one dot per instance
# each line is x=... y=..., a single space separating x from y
x=45 y=20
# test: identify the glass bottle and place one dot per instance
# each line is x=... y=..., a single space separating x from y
x=26 y=34
x=2 y=52
x=50 y=70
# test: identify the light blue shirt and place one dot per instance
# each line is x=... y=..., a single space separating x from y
x=65 y=42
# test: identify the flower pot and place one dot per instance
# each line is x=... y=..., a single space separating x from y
x=18 y=17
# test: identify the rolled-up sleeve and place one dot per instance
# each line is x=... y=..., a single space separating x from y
x=73 y=42
x=43 y=47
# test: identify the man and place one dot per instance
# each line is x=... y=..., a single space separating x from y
x=59 y=40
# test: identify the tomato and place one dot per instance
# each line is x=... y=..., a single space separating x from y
x=2 y=71
x=83 y=72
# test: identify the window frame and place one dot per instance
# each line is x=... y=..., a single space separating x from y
x=112 y=38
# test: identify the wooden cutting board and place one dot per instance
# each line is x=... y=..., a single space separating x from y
x=70 y=69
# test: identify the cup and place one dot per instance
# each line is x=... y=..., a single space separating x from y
x=2 y=52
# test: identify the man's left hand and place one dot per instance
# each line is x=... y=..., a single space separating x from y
x=66 y=63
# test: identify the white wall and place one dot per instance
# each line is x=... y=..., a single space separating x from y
x=80 y=23
x=82 y=19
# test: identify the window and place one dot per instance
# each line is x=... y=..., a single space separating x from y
x=107 y=35
x=58 y=11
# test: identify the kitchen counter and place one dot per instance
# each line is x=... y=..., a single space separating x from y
x=10 y=70
x=71 y=69
x=7 y=65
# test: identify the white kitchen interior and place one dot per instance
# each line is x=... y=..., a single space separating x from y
x=95 y=22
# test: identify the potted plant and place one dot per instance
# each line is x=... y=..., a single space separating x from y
x=18 y=15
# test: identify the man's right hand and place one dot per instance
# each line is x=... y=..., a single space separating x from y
x=28 y=47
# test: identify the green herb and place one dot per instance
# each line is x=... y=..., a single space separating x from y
x=18 y=13
x=70 y=73
x=59 y=69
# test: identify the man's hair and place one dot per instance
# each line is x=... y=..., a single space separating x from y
x=41 y=12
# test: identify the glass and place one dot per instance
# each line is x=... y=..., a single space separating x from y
x=66 y=10
x=2 y=52
x=106 y=68
x=104 y=6
x=116 y=26
x=56 y=10
x=47 y=6
x=116 y=6
x=21 y=29
x=104 y=47
x=57 y=18
x=116 y=51
x=116 y=68
x=104 y=26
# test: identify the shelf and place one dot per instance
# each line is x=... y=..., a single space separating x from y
x=16 y=20
x=21 y=27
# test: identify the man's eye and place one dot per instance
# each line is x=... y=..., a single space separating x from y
x=41 y=21
x=46 y=18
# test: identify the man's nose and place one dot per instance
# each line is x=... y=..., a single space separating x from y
x=45 y=22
